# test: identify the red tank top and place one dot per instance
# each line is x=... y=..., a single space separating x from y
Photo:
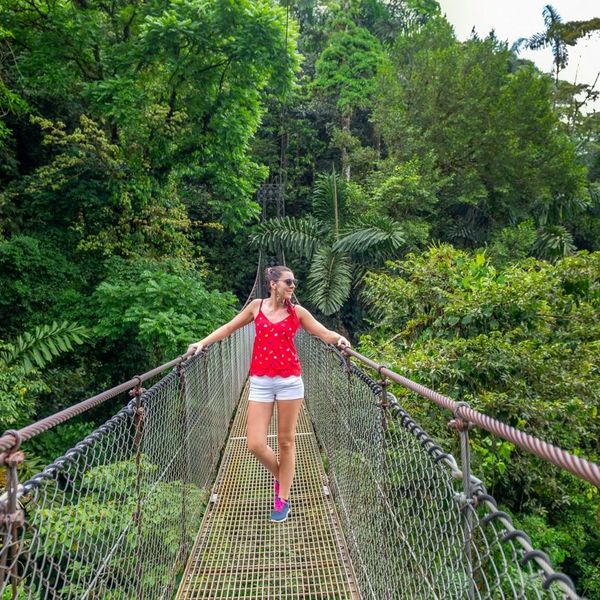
x=274 y=353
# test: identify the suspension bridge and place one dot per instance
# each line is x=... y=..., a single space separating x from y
x=164 y=500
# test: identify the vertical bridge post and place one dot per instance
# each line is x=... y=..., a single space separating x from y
x=138 y=411
x=12 y=518
x=462 y=425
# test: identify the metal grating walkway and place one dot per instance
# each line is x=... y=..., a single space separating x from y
x=239 y=553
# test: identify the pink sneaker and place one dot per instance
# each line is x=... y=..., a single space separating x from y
x=281 y=511
x=276 y=491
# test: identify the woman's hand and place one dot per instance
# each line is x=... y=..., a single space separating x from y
x=343 y=342
x=196 y=348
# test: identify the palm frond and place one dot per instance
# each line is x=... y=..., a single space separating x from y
x=329 y=189
x=551 y=17
x=299 y=236
x=538 y=40
x=329 y=280
x=553 y=242
x=44 y=343
x=518 y=44
x=378 y=234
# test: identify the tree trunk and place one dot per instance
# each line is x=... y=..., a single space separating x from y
x=345 y=158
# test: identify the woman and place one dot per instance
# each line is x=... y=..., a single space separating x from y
x=275 y=375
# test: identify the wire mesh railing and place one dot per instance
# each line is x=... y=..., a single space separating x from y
x=115 y=517
x=412 y=530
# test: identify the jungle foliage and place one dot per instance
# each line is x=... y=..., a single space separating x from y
x=442 y=204
x=520 y=342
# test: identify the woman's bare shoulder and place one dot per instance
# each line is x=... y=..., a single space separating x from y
x=254 y=306
x=301 y=311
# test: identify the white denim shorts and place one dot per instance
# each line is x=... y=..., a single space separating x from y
x=268 y=389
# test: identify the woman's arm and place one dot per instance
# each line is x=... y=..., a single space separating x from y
x=242 y=318
x=313 y=326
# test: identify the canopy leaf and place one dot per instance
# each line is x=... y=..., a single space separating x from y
x=301 y=236
x=44 y=343
x=380 y=233
x=329 y=280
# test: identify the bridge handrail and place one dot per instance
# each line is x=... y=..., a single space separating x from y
x=581 y=467
x=13 y=438
x=478 y=495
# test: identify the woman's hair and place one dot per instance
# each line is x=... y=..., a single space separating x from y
x=274 y=274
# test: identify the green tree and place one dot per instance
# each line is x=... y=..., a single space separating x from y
x=107 y=500
x=86 y=189
x=552 y=37
x=135 y=71
x=558 y=35
x=388 y=18
x=408 y=192
x=498 y=149
x=39 y=284
x=10 y=103
x=337 y=245
x=157 y=307
x=345 y=75
x=519 y=343
x=125 y=132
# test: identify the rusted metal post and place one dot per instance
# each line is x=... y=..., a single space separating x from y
x=138 y=412
x=11 y=515
x=384 y=404
x=185 y=462
x=462 y=425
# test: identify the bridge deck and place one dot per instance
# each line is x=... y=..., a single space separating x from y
x=239 y=553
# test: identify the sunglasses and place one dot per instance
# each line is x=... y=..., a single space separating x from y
x=289 y=281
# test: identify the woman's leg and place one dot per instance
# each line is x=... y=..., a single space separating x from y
x=287 y=417
x=259 y=417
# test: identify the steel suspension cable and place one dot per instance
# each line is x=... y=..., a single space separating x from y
x=13 y=437
x=581 y=467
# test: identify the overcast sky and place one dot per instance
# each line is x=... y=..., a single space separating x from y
x=513 y=19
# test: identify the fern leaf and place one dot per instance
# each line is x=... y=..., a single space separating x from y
x=553 y=242
x=6 y=354
x=380 y=234
x=329 y=190
x=329 y=280
x=52 y=347
x=46 y=342
x=299 y=236
x=37 y=357
x=67 y=343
